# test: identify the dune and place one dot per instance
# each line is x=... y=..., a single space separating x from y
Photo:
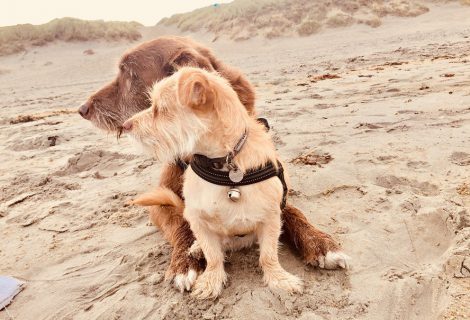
x=245 y=19
x=372 y=123
x=19 y=38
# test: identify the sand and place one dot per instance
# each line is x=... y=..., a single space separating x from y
x=379 y=156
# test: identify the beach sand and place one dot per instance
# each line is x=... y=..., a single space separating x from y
x=374 y=125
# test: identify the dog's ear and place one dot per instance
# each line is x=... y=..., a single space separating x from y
x=194 y=90
x=189 y=58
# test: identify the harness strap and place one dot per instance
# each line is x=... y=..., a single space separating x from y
x=285 y=189
x=181 y=164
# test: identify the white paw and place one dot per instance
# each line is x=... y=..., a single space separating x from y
x=209 y=285
x=284 y=281
x=185 y=281
x=334 y=260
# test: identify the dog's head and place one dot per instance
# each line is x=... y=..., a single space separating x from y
x=141 y=67
x=185 y=108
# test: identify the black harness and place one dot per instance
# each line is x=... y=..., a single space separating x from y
x=209 y=169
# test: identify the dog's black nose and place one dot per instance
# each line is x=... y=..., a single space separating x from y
x=84 y=111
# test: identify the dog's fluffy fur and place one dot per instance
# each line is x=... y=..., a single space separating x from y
x=195 y=111
x=127 y=94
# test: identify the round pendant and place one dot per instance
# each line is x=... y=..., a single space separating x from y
x=235 y=175
x=234 y=194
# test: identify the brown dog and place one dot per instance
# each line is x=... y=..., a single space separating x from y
x=108 y=108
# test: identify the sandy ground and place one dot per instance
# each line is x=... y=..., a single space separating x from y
x=384 y=166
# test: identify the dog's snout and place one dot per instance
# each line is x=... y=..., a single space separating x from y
x=84 y=110
x=127 y=125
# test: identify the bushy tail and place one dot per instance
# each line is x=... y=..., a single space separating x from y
x=159 y=197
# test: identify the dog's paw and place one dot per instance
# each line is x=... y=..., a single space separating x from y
x=209 y=285
x=284 y=281
x=183 y=271
x=185 y=281
x=334 y=260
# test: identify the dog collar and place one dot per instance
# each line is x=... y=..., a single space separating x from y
x=204 y=168
x=210 y=169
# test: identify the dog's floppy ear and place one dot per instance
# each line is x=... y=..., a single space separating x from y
x=188 y=57
x=194 y=89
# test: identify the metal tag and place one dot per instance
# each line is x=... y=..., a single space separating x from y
x=235 y=175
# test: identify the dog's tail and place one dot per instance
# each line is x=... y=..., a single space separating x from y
x=159 y=197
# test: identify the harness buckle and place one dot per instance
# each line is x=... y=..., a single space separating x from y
x=229 y=161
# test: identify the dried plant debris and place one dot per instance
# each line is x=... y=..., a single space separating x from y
x=460 y=158
x=89 y=52
x=313 y=158
x=464 y=189
x=395 y=63
x=333 y=190
x=35 y=117
x=321 y=77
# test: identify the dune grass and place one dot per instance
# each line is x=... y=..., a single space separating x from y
x=244 y=19
x=14 y=39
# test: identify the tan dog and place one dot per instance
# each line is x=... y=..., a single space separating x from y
x=197 y=112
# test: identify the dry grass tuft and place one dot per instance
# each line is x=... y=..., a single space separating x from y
x=244 y=19
x=340 y=20
x=14 y=39
x=308 y=28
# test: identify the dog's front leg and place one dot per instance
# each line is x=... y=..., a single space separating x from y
x=211 y=282
x=183 y=268
x=274 y=274
x=316 y=247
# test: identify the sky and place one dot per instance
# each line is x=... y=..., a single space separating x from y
x=147 y=12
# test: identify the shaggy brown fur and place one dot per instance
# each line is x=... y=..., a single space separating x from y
x=109 y=107
x=304 y=237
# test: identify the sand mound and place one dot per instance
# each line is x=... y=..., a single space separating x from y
x=18 y=38
x=244 y=19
